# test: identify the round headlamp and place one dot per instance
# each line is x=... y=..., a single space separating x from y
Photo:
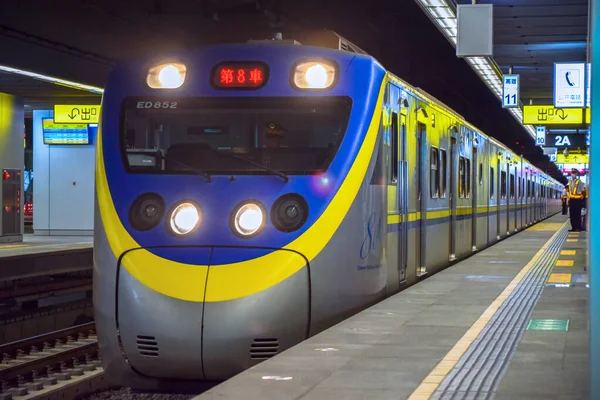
x=146 y=211
x=289 y=212
x=184 y=218
x=314 y=75
x=248 y=219
x=166 y=76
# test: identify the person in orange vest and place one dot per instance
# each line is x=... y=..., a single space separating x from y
x=565 y=198
x=576 y=193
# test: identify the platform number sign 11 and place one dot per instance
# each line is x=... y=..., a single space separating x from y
x=540 y=135
x=510 y=91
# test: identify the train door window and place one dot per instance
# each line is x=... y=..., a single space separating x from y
x=420 y=139
x=503 y=185
x=520 y=187
x=492 y=180
x=394 y=173
x=481 y=173
x=461 y=177
x=512 y=186
x=434 y=174
x=467 y=178
x=443 y=174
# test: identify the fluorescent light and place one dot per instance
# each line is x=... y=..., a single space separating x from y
x=51 y=79
x=443 y=14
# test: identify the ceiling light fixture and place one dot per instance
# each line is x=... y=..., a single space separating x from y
x=51 y=79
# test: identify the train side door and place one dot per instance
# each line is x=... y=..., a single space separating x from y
x=451 y=194
x=421 y=140
x=474 y=190
x=403 y=199
x=499 y=191
x=509 y=194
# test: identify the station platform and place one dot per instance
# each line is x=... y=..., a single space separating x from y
x=37 y=255
x=510 y=322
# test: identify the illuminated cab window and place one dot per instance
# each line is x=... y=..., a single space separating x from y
x=236 y=75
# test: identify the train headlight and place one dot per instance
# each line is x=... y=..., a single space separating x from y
x=185 y=218
x=248 y=219
x=146 y=211
x=315 y=75
x=289 y=212
x=166 y=76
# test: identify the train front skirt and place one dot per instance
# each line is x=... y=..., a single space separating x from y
x=164 y=337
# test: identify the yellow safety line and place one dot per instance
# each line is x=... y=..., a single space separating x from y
x=560 y=278
x=565 y=263
x=6 y=247
x=568 y=252
x=437 y=375
x=572 y=240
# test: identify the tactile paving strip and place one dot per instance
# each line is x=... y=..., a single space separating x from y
x=478 y=372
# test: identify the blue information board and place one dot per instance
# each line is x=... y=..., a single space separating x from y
x=64 y=133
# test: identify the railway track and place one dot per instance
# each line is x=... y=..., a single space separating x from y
x=65 y=361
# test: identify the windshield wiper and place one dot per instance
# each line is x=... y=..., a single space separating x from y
x=274 y=171
x=191 y=169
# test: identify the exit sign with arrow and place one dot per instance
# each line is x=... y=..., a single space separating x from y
x=76 y=114
x=549 y=115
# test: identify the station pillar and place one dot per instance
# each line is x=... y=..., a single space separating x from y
x=12 y=160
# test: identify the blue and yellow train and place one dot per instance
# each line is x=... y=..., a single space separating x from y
x=251 y=195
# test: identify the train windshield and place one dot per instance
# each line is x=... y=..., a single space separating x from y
x=219 y=135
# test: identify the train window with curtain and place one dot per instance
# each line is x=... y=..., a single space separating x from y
x=461 y=177
x=394 y=172
x=481 y=173
x=503 y=185
x=512 y=186
x=492 y=180
x=467 y=178
x=434 y=173
x=443 y=173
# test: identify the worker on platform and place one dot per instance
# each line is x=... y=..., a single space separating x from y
x=565 y=198
x=576 y=192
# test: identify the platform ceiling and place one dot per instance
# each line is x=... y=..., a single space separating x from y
x=532 y=35
x=81 y=40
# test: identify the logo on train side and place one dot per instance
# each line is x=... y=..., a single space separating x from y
x=372 y=237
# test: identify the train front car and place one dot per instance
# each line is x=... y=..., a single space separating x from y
x=231 y=191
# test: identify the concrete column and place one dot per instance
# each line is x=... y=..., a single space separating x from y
x=12 y=160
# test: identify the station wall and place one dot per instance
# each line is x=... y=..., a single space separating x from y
x=12 y=157
x=63 y=184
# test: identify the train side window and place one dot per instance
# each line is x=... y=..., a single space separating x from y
x=520 y=187
x=492 y=180
x=503 y=185
x=434 y=174
x=481 y=173
x=512 y=186
x=461 y=177
x=394 y=173
x=443 y=174
x=467 y=178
